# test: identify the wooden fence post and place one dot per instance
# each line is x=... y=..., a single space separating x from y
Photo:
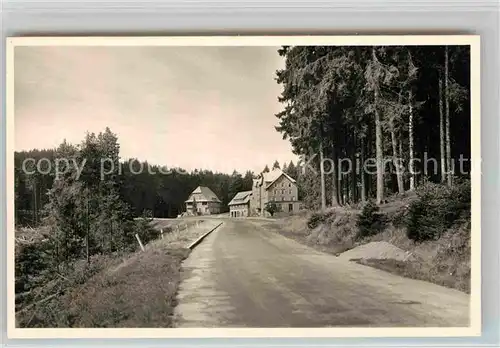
x=139 y=240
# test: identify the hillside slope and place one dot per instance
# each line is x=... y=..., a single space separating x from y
x=444 y=260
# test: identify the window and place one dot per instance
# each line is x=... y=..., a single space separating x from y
x=293 y=198
x=289 y=185
x=282 y=198
x=204 y=203
x=289 y=192
x=282 y=192
x=275 y=192
x=290 y=207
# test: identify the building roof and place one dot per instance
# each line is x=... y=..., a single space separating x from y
x=203 y=194
x=271 y=177
x=282 y=174
x=241 y=198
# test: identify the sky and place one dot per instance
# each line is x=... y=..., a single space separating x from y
x=189 y=107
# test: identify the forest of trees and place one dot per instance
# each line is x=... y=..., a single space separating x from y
x=83 y=210
x=158 y=195
x=394 y=105
x=386 y=104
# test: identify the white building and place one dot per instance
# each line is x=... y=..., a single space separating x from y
x=205 y=201
x=274 y=186
x=240 y=204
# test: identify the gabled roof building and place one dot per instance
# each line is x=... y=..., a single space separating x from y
x=203 y=201
x=240 y=204
x=275 y=186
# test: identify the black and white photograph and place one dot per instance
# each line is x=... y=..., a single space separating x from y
x=222 y=184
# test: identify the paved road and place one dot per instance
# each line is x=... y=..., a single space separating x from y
x=245 y=276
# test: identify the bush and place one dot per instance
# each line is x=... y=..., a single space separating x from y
x=145 y=229
x=271 y=208
x=318 y=218
x=438 y=208
x=400 y=217
x=370 y=221
x=31 y=260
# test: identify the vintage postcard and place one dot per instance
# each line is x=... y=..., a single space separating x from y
x=247 y=186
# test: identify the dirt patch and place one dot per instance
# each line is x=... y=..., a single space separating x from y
x=420 y=270
x=335 y=235
x=445 y=261
x=377 y=250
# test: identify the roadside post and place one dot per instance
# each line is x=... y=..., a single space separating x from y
x=139 y=240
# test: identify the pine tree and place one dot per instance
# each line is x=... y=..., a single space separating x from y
x=364 y=102
x=292 y=170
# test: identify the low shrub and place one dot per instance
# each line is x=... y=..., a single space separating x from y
x=370 y=221
x=272 y=208
x=144 y=228
x=438 y=208
x=400 y=217
x=320 y=217
x=31 y=261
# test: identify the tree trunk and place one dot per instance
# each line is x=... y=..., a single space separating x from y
x=396 y=159
x=369 y=154
x=342 y=190
x=335 y=191
x=363 y=183
x=400 y=144
x=410 y=136
x=354 y=182
x=35 y=203
x=346 y=189
x=87 y=251
x=322 y=174
x=447 y=119
x=58 y=257
x=378 y=142
x=441 y=131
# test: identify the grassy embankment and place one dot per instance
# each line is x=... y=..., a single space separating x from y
x=436 y=219
x=134 y=289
